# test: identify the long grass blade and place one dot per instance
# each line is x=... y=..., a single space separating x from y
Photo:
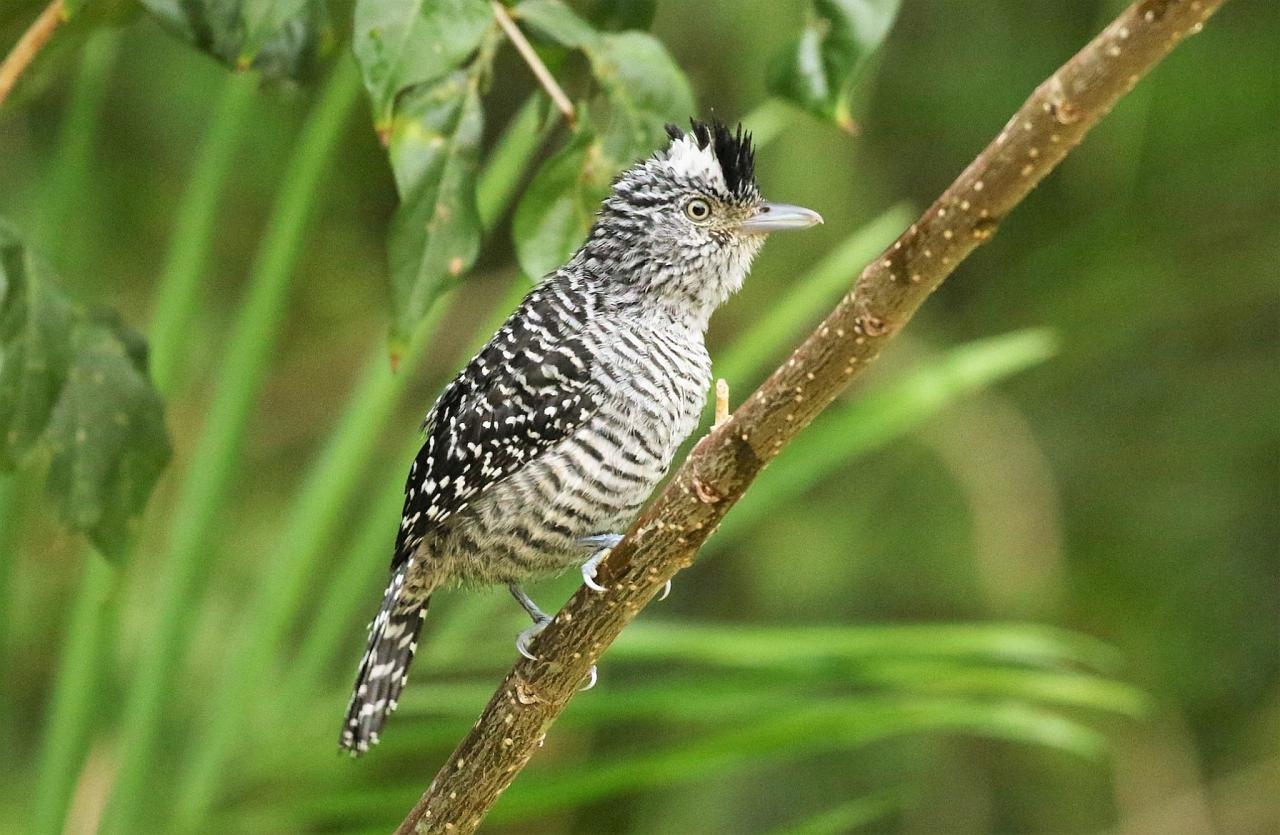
x=316 y=519
x=206 y=483
x=72 y=709
x=177 y=293
x=881 y=416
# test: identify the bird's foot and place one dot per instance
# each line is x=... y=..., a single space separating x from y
x=604 y=544
x=526 y=637
x=539 y=617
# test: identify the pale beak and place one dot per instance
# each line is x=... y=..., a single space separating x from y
x=779 y=217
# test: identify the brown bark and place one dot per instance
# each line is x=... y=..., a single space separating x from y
x=667 y=536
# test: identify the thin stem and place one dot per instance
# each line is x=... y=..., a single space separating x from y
x=723 y=465
x=207 y=482
x=530 y=56
x=29 y=46
x=178 y=292
x=90 y=623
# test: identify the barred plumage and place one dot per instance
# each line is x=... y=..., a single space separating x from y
x=553 y=436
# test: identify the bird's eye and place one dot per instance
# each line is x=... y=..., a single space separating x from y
x=698 y=209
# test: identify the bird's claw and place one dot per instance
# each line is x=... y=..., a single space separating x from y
x=589 y=570
x=527 y=635
x=666 y=590
x=591 y=680
x=606 y=541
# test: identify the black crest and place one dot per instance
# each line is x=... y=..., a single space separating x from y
x=733 y=149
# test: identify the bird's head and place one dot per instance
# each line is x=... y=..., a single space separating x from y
x=683 y=226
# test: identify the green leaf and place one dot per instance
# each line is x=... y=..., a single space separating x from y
x=75 y=384
x=280 y=38
x=818 y=70
x=404 y=43
x=435 y=234
x=559 y=205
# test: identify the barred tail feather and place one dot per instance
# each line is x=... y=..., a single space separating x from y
x=384 y=669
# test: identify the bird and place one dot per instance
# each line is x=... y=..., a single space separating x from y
x=548 y=442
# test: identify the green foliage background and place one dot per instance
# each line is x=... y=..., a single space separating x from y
x=1024 y=578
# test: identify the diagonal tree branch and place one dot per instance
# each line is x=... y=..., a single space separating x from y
x=667 y=536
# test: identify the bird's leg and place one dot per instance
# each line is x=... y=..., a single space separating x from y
x=540 y=621
x=606 y=543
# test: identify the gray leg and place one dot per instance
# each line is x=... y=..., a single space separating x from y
x=540 y=621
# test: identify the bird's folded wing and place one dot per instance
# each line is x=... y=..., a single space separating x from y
x=531 y=387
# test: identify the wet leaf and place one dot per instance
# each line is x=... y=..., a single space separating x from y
x=280 y=38
x=435 y=234
x=74 y=385
x=818 y=70
x=401 y=44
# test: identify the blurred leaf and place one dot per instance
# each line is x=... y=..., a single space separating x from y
x=76 y=385
x=786 y=736
x=280 y=38
x=880 y=416
x=403 y=43
x=620 y=14
x=739 y=645
x=849 y=816
x=643 y=89
x=555 y=21
x=435 y=234
x=819 y=69
x=559 y=205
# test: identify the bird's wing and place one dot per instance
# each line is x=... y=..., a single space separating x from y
x=528 y=389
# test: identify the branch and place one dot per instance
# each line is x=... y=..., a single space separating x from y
x=540 y=71
x=667 y=536
x=28 y=46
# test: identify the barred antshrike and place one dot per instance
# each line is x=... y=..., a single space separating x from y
x=550 y=440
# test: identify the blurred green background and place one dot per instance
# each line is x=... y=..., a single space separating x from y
x=905 y=630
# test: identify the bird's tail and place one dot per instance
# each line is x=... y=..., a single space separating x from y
x=384 y=669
